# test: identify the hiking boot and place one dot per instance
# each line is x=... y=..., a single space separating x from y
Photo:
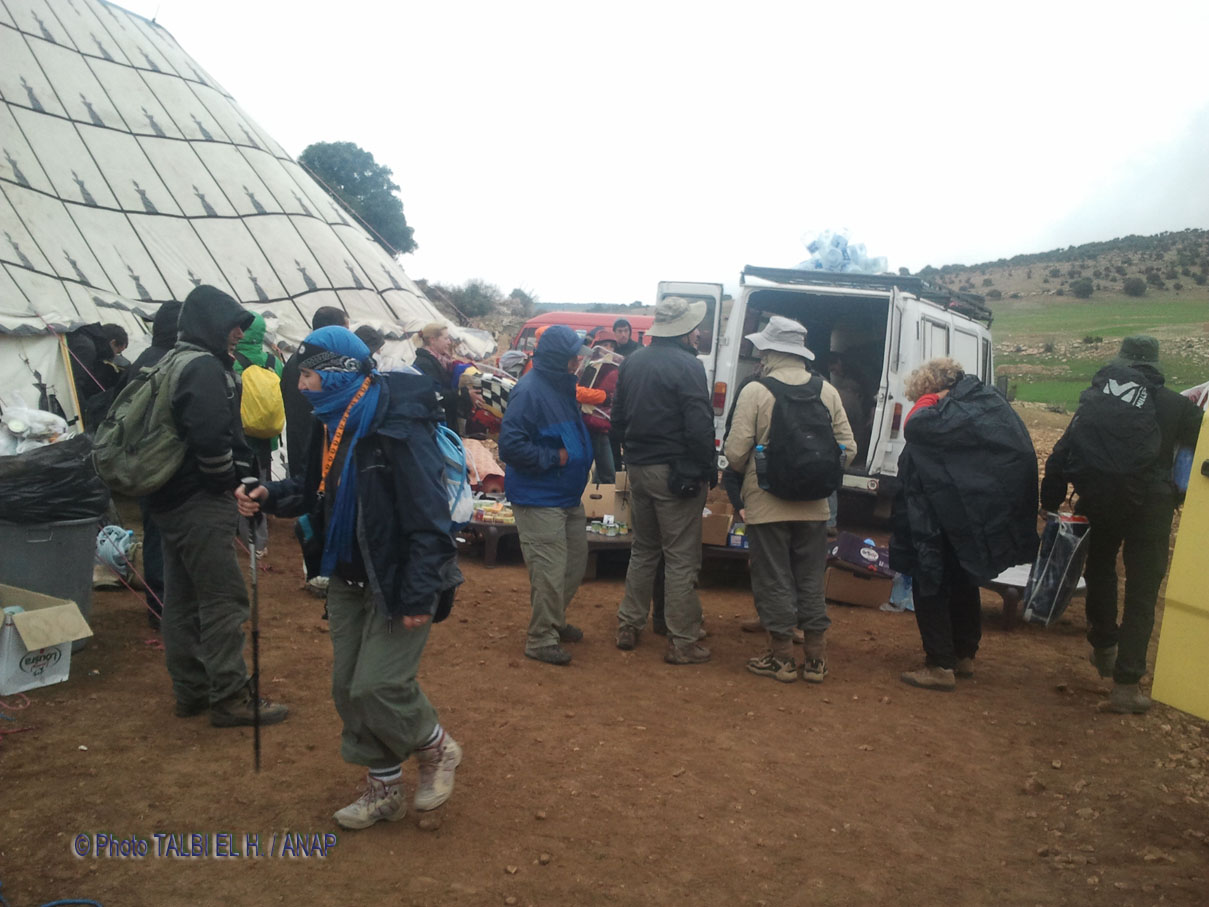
x=769 y=665
x=237 y=711
x=437 y=764
x=627 y=638
x=551 y=655
x=1127 y=699
x=814 y=670
x=964 y=667
x=691 y=654
x=570 y=633
x=752 y=626
x=190 y=709
x=1104 y=660
x=379 y=801
x=930 y=677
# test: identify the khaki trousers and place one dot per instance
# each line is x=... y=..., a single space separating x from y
x=668 y=526
x=554 y=541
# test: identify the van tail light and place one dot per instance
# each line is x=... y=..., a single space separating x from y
x=897 y=424
x=719 y=398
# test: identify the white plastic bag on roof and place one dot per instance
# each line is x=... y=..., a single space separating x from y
x=831 y=250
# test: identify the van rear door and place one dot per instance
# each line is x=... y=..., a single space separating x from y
x=711 y=295
x=884 y=442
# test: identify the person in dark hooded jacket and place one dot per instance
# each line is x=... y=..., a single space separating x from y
x=1132 y=512
x=205 y=602
x=374 y=499
x=163 y=339
x=548 y=452
x=965 y=511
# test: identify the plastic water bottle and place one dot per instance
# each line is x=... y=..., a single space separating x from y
x=761 y=467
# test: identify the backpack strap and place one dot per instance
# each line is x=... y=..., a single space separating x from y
x=243 y=360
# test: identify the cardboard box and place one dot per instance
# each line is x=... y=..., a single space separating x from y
x=605 y=500
x=35 y=645
x=738 y=536
x=715 y=528
x=850 y=588
x=621 y=481
x=853 y=551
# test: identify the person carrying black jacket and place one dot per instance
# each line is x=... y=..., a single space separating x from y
x=662 y=410
x=205 y=602
x=1134 y=513
x=297 y=409
x=965 y=511
x=432 y=359
x=163 y=339
x=379 y=526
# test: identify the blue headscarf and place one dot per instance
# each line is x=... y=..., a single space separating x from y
x=343 y=363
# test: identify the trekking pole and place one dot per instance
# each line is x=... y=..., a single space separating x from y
x=250 y=484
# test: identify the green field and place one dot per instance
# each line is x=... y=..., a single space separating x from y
x=1058 y=377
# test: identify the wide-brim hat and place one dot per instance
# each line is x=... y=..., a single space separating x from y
x=783 y=335
x=676 y=316
x=1140 y=349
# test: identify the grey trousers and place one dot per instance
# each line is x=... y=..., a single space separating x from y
x=554 y=542
x=386 y=715
x=205 y=600
x=669 y=526
x=788 y=560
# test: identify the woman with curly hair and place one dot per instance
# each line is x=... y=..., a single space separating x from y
x=965 y=511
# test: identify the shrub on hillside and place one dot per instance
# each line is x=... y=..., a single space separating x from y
x=1155 y=280
x=1055 y=272
x=1134 y=286
x=986 y=281
x=1089 y=338
x=994 y=294
x=1177 y=286
x=1082 y=287
x=1199 y=279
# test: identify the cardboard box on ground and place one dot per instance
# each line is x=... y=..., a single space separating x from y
x=851 y=587
x=35 y=645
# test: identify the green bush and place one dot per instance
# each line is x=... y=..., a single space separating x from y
x=1089 y=338
x=1082 y=287
x=1055 y=272
x=986 y=281
x=994 y=294
x=1134 y=286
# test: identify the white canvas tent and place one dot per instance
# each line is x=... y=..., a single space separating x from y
x=128 y=176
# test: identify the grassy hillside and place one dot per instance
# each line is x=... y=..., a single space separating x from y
x=1049 y=343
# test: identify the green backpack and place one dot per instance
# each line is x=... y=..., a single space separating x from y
x=138 y=449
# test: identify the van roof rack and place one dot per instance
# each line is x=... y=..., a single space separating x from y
x=971 y=305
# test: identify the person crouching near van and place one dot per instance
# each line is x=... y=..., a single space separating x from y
x=547 y=454
x=380 y=529
x=788 y=538
x=965 y=511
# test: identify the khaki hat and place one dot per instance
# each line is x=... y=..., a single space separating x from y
x=676 y=316
x=1140 y=349
x=783 y=335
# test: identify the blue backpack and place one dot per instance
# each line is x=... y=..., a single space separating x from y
x=457 y=479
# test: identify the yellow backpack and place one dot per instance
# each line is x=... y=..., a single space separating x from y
x=261 y=408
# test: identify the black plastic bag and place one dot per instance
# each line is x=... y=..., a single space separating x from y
x=52 y=483
x=1056 y=571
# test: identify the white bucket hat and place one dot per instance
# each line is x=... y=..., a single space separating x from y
x=784 y=335
x=675 y=316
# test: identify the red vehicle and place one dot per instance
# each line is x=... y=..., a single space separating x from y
x=581 y=323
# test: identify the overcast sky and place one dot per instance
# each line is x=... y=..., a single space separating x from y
x=584 y=152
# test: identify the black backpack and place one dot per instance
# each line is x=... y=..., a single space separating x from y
x=803 y=462
x=1114 y=436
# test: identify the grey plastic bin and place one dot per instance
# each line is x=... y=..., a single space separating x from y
x=51 y=558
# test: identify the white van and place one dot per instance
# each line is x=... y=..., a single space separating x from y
x=880 y=326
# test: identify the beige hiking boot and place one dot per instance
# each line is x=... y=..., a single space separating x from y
x=777 y=661
x=964 y=667
x=379 y=801
x=437 y=765
x=237 y=711
x=752 y=626
x=691 y=654
x=1127 y=699
x=930 y=678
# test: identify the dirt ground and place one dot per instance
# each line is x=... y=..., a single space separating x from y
x=619 y=779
